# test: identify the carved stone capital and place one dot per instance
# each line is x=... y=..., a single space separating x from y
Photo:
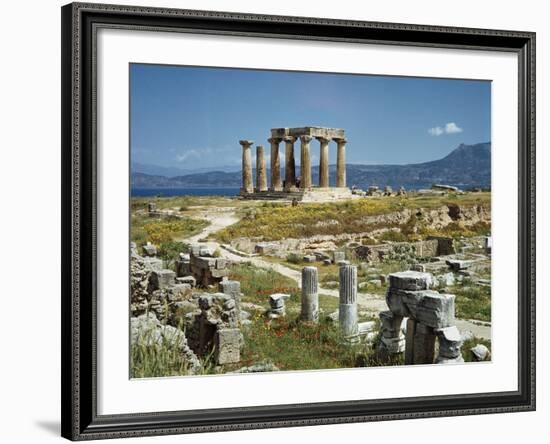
x=289 y=139
x=246 y=143
x=276 y=140
x=306 y=138
x=323 y=139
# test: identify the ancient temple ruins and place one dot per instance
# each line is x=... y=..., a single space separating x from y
x=292 y=185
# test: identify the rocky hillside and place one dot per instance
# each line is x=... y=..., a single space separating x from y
x=467 y=166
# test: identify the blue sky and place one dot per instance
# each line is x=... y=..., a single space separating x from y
x=191 y=117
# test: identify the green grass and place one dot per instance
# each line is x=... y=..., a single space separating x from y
x=292 y=345
x=472 y=302
x=275 y=222
x=144 y=229
x=149 y=361
x=257 y=284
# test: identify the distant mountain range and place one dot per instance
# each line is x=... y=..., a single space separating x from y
x=466 y=166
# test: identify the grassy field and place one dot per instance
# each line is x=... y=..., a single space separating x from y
x=275 y=221
x=258 y=284
x=472 y=301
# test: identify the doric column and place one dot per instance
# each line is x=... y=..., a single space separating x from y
x=310 y=295
x=348 y=303
x=290 y=163
x=341 y=163
x=305 y=163
x=261 y=177
x=275 y=164
x=323 y=162
x=247 y=187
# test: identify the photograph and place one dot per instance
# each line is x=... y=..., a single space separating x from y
x=300 y=221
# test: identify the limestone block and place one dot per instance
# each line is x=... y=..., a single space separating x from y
x=436 y=310
x=410 y=280
x=206 y=251
x=161 y=279
x=321 y=255
x=447 y=279
x=338 y=256
x=227 y=346
x=364 y=328
x=203 y=262
x=418 y=267
x=277 y=300
x=183 y=268
x=309 y=258
x=393 y=345
x=190 y=280
x=218 y=274
x=390 y=324
x=424 y=344
x=195 y=250
x=450 y=342
x=149 y=249
x=221 y=264
x=480 y=352
x=232 y=288
x=458 y=265
x=152 y=263
x=409 y=341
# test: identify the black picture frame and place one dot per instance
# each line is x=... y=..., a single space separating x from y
x=80 y=22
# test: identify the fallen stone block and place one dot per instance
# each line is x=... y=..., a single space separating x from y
x=190 y=280
x=458 y=265
x=410 y=280
x=450 y=342
x=149 y=249
x=152 y=263
x=161 y=279
x=480 y=353
x=447 y=279
x=338 y=256
x=365 y=327
x=227 y=346
x=206 y=252
x=277 y=300
x=309 y=258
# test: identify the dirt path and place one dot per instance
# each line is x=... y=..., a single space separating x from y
x=219 y=219
x=223 y=217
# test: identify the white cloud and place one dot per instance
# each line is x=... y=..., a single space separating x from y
x=189 y=154
x=449 y=128
x=436 y=131
x=452 y=128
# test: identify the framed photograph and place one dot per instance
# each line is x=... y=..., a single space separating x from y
x=274 y=221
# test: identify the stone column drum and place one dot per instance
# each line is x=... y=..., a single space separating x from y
x=348 y=303
x=341 y=163
x=305 y=163
x=290 y=163
x=310 y=295
x=323 y=162
x=275 y=164
x=247 y=187
x=261 y=177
